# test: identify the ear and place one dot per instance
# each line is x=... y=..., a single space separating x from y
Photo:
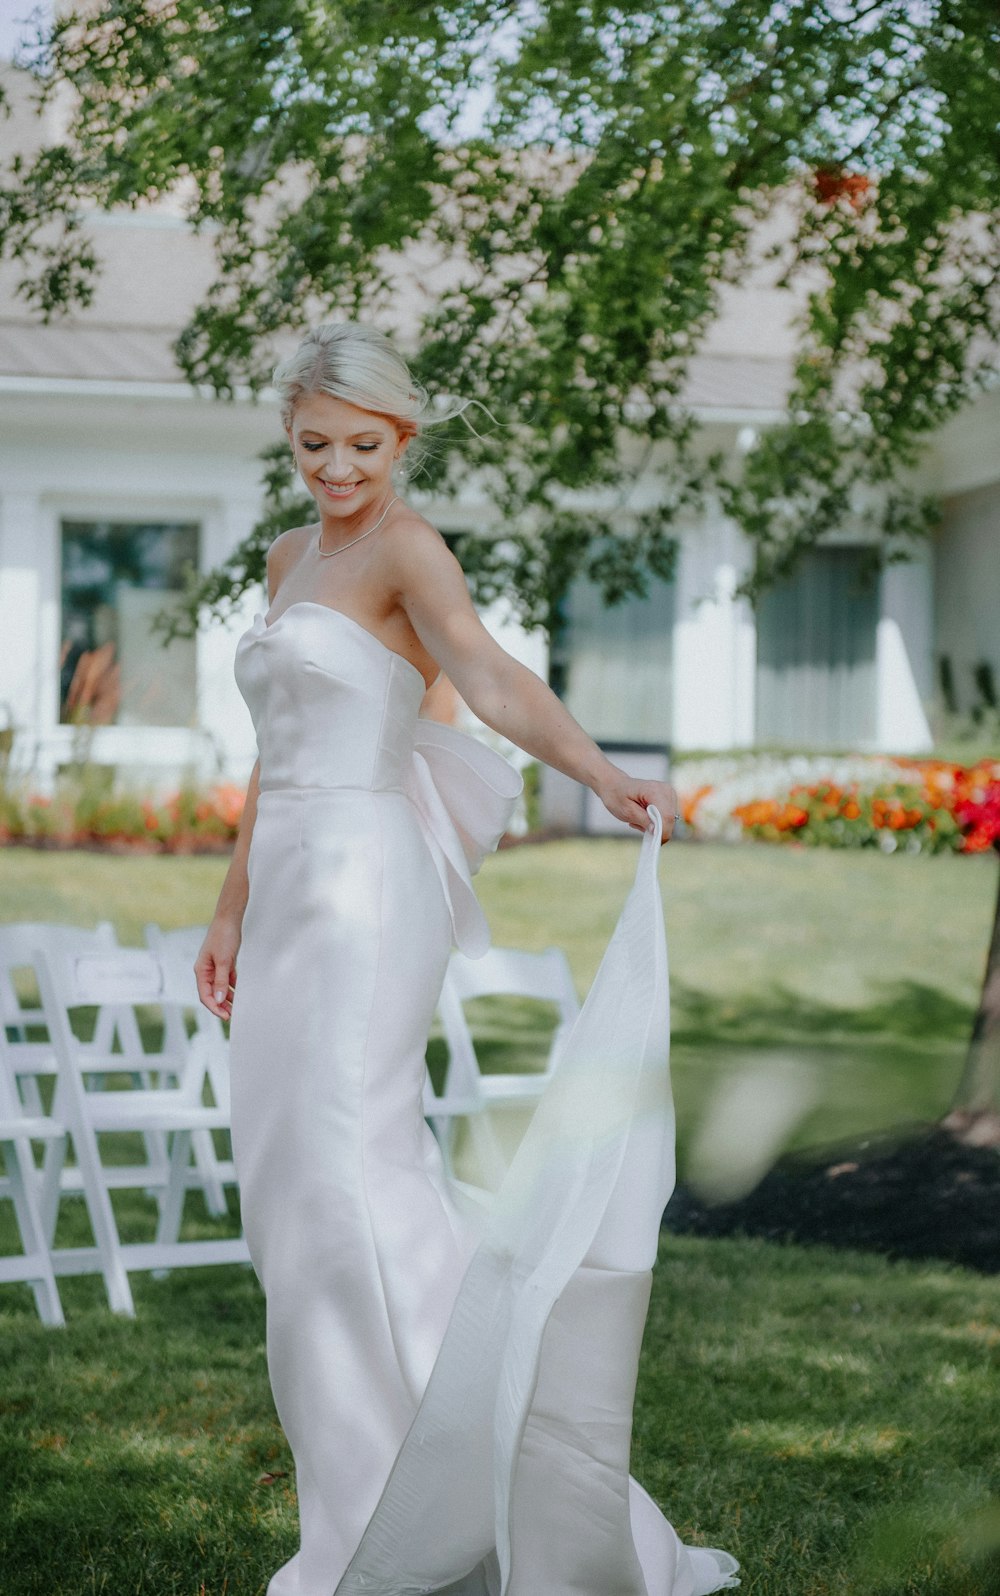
x=402 y=442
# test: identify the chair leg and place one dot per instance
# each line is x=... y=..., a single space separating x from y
x=99 y=1209
x=206 y=1163
x=172 y=1209
x=37 y=1259
x=487 y=1148
x=51 y=1185
x=443 y=1126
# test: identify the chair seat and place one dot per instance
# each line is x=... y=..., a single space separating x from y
x=513 y=1088
x=37 y=1130
x=110 y=1114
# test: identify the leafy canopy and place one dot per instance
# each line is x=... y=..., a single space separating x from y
x=587 y=177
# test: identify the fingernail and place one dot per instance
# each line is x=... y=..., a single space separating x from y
x=219 y=996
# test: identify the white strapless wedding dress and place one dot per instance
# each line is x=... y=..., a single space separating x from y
x=455 y=1379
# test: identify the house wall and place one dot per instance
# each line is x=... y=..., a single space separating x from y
x=714 y=641
x=138 y=455
x=967 y=581
x=722 y=659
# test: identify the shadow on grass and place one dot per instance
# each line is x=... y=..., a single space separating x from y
x=907 y=1010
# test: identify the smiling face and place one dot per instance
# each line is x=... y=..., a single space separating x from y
x=345 y=456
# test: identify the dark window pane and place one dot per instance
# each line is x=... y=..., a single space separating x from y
x=116 y=575
x=816 y=653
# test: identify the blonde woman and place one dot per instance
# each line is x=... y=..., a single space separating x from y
x=348 y=887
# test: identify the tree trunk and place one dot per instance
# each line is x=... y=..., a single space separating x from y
x=975 y=1112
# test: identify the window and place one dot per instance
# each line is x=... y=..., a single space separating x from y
x=613 y=664
x=816 y=653
x=116 y=575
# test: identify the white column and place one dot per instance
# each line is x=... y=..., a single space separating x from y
x=30 y=629
x=222 y=714
x=714 y=644
x=904 y=656
x=20 y=600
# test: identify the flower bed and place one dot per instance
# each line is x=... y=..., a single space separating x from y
x=911 y=805
x=189 y=821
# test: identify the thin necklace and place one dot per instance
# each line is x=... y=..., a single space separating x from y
x=327 y=554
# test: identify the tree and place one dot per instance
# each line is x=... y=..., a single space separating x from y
x=623 y=163
x=975 y=1111
x=622 y=166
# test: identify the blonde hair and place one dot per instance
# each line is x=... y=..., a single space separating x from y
x=351 y=361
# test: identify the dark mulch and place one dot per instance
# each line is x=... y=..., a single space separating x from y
x=922 y=1195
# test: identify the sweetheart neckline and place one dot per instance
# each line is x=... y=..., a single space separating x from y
x=315 y=604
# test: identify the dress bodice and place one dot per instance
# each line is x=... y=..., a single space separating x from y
x=331 y=705
x=335 y=709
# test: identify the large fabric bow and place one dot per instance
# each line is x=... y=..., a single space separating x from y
x=464 y=794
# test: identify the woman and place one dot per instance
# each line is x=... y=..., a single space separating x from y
x=349 y=884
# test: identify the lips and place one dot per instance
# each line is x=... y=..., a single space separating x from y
x=338 y=490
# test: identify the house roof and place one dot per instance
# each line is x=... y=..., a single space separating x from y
x=155 y=269
x=122 y=352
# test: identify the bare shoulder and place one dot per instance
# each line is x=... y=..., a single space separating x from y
x=285 y=552
x=415 y=551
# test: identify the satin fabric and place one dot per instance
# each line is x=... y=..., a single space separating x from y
x=455 y=1381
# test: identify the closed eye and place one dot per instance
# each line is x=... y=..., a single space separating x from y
x=364 y=448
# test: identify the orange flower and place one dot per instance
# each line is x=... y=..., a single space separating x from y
x=851 y=809
x=791 y=817
x=688 y=805
x=762 y=812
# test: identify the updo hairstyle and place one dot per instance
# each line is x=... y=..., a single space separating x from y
x=354 y=362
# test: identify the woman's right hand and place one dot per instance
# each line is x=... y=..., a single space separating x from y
x=215 y=966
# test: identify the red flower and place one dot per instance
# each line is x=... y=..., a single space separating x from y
x=981 y=815
x=832 y=183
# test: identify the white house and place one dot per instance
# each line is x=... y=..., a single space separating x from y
x=114 y=473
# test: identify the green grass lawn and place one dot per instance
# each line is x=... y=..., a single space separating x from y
x=829 y=1417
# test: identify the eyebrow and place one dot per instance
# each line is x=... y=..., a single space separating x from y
x=314 y=432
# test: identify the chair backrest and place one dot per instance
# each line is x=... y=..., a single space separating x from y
x=183 y=942
x=502 y=972
x=120 y=980
x=18 y=944
x=516 y=973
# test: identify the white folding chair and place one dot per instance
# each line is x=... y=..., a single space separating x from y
x=173 y=1108
x=501 y=972
x=117 y=1035
x=18 y=1129
x=115 y=1030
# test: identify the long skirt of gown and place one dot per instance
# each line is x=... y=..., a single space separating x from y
x=344 y=1202
x=456 y=1385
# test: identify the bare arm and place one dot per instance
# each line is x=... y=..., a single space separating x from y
x=501 y=691
x=215 y=966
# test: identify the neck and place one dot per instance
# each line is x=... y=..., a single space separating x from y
x=336 y=530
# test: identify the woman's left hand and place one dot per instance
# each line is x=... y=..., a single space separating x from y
x=628 y=798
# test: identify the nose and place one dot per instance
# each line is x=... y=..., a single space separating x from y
x=339 y=464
